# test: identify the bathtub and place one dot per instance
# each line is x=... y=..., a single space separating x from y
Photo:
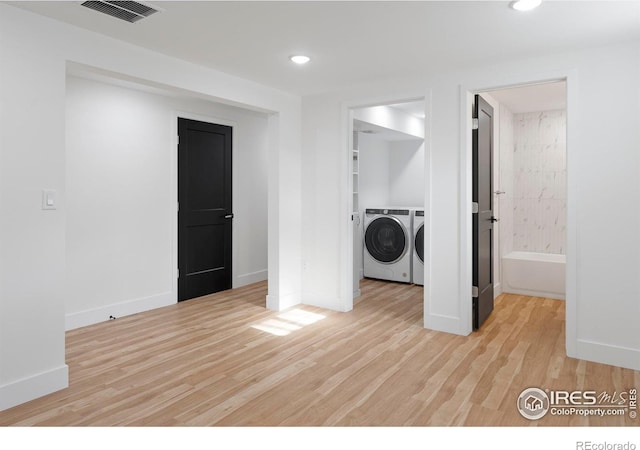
x=535 y=274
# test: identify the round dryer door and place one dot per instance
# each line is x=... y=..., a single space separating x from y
x=419 y=243
x=385 y=239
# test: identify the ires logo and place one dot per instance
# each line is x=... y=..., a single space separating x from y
x=588 y=398
x=534 y=403
x=573 y=398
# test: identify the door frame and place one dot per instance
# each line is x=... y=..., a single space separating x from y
x=174 y=192
x=346 y=252
x=465 y=172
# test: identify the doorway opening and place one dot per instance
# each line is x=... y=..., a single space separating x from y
x=529 y=189
x=387 y=167
x=122 y=193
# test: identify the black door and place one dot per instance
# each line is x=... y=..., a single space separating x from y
x=483 y=213
x=204 y=208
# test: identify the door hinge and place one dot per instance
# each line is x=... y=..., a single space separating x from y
x=475 y=124
x=177 y=273
x=178 y=140
x=178 y=206
x=474 y=208
x=474 y=291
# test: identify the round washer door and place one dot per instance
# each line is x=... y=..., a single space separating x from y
x=386 y=240
x=419 y=243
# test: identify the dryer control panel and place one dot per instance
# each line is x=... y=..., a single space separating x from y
x=395 y=212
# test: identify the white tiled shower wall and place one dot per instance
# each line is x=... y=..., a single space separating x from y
x=534 y=178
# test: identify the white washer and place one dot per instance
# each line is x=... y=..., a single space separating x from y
x=387 y=244
x=418 y=247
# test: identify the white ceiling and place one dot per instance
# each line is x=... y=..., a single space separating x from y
x=540 y=97
x=381 y=133
x=356 y=42
x=415 y=109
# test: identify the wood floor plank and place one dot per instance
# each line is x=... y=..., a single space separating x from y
x=225 y=360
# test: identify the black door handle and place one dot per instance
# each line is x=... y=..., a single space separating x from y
x=493 y=219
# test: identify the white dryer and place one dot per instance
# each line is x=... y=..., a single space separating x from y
x=387 y=244
x=418 y=247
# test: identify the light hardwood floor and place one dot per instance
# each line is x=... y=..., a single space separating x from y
x=209 y=361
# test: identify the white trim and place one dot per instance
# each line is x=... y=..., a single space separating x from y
x=613 y=355
x=346 y=303
x=497 y=288
x=34 y=386
x=534 y=293
x=250 y=278
x=428 y=320
x=571 y=268
x=466 y=224
x=440 y=322
x=120 y=309
x=333 y=303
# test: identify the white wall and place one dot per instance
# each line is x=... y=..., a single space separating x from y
x=32 y=241
x=34 y=54
x=374 y=171
x=406 y=173
x=392 y=172
x=120 y=172
x=320 y=270
x=600 y=79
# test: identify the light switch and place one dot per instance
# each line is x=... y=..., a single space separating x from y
x=48 y=199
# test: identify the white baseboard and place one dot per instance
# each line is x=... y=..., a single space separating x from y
x=35 y=386
x=543 y=294
x=612 y=355
x=326 y=302
x=101 y=314
x=447 y=324
x=250 y=278
x=357 y=293
x=497 y=289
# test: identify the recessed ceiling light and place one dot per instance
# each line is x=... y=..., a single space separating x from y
x=525 y=5
x=300 y=59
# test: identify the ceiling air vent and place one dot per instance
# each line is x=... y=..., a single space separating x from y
x=129 y=11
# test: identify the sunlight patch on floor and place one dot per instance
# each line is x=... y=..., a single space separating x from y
x=301 y=316
x=288 y=321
